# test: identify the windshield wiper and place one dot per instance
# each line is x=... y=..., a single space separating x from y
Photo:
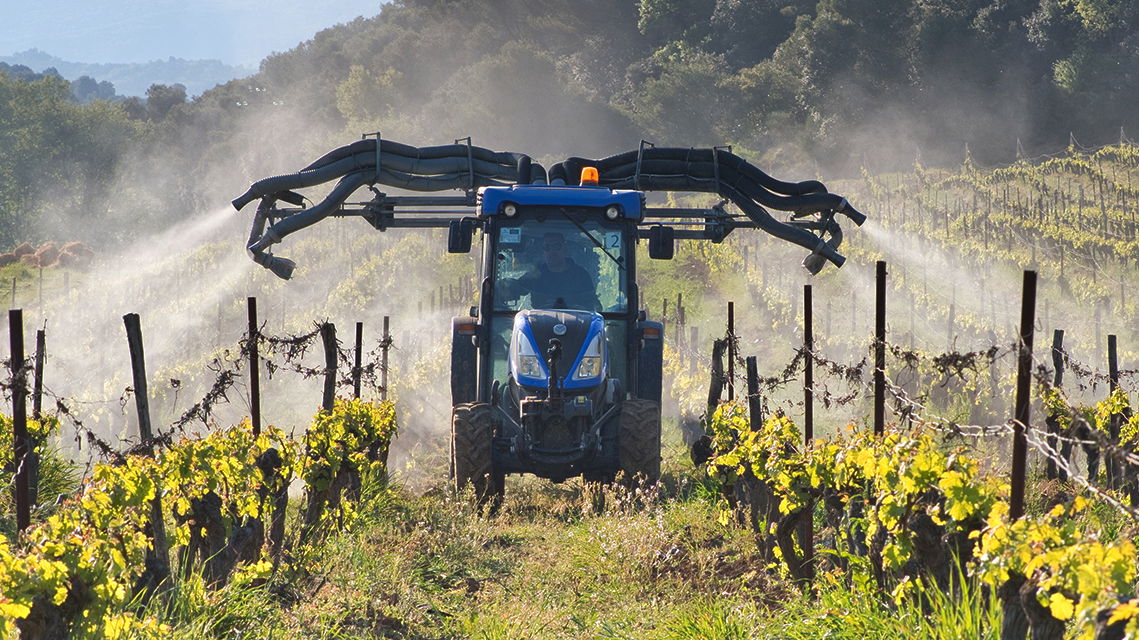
x=589 y=235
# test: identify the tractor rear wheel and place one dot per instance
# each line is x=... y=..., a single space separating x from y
x=639 y=441
x=472 y=431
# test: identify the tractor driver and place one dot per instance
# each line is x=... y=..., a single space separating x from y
x=557 y=282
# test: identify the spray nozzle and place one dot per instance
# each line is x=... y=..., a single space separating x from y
x=814 y=263
x=854 y=214
x=281 y=267
x=823 y=252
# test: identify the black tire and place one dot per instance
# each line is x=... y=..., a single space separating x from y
x=639 y=441
x=472 y=431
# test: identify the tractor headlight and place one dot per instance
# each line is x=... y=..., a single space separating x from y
x=528 y=364
x=591 y=360
x=590 y=367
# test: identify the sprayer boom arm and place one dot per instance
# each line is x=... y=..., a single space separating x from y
x=468 y=168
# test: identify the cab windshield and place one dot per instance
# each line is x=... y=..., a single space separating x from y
x=563 y=260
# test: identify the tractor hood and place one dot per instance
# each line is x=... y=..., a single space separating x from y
x=583 y=363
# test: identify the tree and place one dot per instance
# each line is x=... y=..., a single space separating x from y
x=161 y=98
x=747 y=32
x=686 y=99
x=665 y=21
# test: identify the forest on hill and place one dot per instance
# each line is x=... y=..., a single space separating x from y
x=801 y=87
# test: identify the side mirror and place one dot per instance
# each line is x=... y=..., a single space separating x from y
x=662 y=242
x=459 y=234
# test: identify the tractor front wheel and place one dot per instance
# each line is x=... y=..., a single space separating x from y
x=639 y=441
x=472 y=431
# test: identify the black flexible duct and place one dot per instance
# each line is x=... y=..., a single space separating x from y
x=781 y=230
x=445 y=167
x=346 y=187
x=460 y=166
x=420 y=153
x=448 y=173
x=724 y=173
x=679 y=161
x=438 y=168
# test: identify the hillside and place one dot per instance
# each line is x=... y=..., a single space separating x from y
x=133 y=79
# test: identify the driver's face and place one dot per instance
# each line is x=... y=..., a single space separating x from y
x=554 y=249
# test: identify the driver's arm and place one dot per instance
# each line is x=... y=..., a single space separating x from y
x=513 y=288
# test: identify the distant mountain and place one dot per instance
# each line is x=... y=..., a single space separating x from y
x=133 y=79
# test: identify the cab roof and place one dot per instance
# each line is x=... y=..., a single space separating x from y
x=493 y=199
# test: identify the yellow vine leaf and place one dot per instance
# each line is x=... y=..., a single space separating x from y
x=1126 y=611
x=1061 y=607
x=14 y=609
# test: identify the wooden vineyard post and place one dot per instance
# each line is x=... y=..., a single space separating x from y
x=385 y=345
x=37 y=413
x=1098 y=328
x=254 y=368
x=694 y=344
x=952 y=320
x=158 y=557
x=680 y=318
x=808 y=368
x=827 y=323
x=328 y=337
x=1112 y=464
x=807 y=525
x=1023 y=396
x=913 y=303
x=754 y=399
x=716 y=384
x=21 y=443
x=359 y=359
x=1127 y=478
x=38 y=375
x=880 y=348
x=731 y=351
x=1053 y=470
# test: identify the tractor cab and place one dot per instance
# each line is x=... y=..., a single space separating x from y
x=557 y=343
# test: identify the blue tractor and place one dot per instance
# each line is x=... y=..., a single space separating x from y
x=556 y=371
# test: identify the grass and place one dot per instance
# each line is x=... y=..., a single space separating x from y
x=557 y=562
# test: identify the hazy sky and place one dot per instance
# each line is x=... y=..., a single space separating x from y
x=233 y=31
